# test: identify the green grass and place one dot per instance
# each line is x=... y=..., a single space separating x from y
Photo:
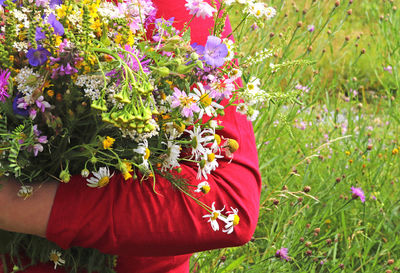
x=331 y=140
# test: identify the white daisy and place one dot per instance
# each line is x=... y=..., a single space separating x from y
x=198 y=140
x=215 y=214
x=55 y=257
x=203 y=187
x=207 y=104
x=231 y=221
x=270 y=12
x=100 y=178
x=208 y=164
x=25 y=191
x=143 y=149
x=174 y=151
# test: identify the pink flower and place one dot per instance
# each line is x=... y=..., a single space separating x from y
x=358 y=192
x=282 y=253
x=187 y=103
x=199 y=8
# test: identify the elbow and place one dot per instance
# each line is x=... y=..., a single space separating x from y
x=244 y=231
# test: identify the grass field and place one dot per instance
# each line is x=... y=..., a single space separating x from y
x=333 y=123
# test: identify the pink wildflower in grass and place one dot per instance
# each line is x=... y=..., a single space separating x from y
x=4 y=75
x=187 y=103
x=388 y=69
x=310 y=28
x=282 y=254
x=358 y=193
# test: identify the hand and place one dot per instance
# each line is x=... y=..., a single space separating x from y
x=28 y=215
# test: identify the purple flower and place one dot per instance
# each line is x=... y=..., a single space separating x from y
x=57 y=26
x=310 y=28
x=39 y=34
x=41 y=104
x=283 y=254
x=37 y=56
x=54 y=3
x=18 y=100
x=388 y=69
x=358 y=192
x=215 y=51
x=4 y=75
x=42 y=3
x=162 y=26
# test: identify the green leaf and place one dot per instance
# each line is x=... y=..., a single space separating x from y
x=186 y=35
x=233 y=265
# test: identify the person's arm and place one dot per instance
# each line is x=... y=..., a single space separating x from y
x=128 y=217
x=25 y=215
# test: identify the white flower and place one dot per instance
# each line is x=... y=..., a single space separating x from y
x=229 y=2
x=85 y=173
x=270 y=12
x=198 y=141
x=199 y=8
x=174 y=151
x=231 y=47
x=208 y=164
x=100 y=179
x=231 y=221
x=257 y=9
x=143 y=149
x=207 y=104
x=25 y=191
x=203 y=187
x=235 y=74
x=215 y=214
x=55 y=257
x=241 y=108
x=253 y=86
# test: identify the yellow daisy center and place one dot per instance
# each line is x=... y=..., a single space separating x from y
x=210 y=157
x=147 y=154
x=205 y=100
x=54 y=257
x=103 y=181
x=217 y=139
x=214 y=215
x=233 y=145
x=205 y=189
x=236 y=220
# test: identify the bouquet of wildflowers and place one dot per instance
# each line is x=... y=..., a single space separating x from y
x=86 y=88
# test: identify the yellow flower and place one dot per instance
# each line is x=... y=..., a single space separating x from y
x=62 y=11
x=58 y=40
x=126 y=168
x=118 y=38
x=50 y=93
x=126 y=175
x=108 y=142
x=347 y=153
x=395 y=151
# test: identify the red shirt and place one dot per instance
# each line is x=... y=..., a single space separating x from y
x=158 y=232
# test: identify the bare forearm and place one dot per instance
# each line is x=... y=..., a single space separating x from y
x=28 y=215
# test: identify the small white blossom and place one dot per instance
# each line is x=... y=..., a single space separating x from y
x=231 y=221
x=55 y=257
x=215 y=214
x=25 y=191
x=203 y=187
x=100 y=178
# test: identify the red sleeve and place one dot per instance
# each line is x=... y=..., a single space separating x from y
x=129 y=218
